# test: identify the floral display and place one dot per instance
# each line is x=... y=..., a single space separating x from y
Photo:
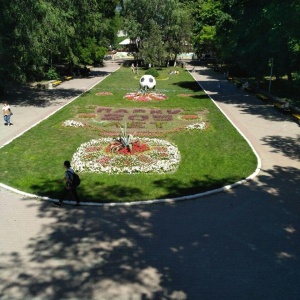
x=104 y=94
x=146 y=97
x=87 y=115
x=151 y=156
x=188 y=117
x=72 y=123
x=196 y=126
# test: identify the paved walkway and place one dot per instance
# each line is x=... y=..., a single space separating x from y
x=239 y=244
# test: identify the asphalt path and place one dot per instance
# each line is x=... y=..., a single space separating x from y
x=242 y=243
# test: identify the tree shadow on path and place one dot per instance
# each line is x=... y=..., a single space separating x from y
x=243 y=244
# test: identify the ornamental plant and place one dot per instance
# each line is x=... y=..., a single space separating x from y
x=152 y=72
x=124 y=142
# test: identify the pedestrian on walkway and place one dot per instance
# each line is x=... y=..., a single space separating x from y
x=6 y=113
x=69 y=187
x=220 y=88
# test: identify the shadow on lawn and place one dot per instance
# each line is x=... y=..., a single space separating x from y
x=189 y=85
x=119 y=193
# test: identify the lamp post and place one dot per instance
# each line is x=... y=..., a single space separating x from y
x=271 y=73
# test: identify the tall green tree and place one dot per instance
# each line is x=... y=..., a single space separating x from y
x=170 y=18
x=207 y=14
x=36 y=32
x=153 y=51
x=258 y=31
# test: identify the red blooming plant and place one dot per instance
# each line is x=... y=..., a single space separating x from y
x=126 y=144
x=137 y=147
x=145 y=97
x=189 y=117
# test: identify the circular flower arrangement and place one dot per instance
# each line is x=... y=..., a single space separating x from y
x=149 y=156
x=145 y=97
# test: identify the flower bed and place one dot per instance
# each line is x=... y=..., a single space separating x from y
x=188 y=117
x=104 y=94
x=72 y=123
x=87 y=116
x=196 y=126
x=145 y=97
x=159 y=156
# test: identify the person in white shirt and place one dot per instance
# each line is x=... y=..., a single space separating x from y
x=6 y=113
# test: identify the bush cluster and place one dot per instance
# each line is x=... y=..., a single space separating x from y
x=153 y=72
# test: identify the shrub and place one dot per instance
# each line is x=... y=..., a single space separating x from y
x=52 y=74
x=152 y=72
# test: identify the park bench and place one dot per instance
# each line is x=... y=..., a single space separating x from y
x=68 y=77
x=56 y=83
x=297 y=116
x=262 y=97
x=279 y=106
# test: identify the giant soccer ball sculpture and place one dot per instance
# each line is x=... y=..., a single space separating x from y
x=147 y=82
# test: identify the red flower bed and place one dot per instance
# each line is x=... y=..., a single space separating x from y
x=93 y=148
x=152 y=96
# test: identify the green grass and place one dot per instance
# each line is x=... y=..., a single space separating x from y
x=210 y=159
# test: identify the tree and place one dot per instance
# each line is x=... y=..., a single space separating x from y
x=169 y=18
x=36 y=32
x=258 y=31
x=207 y=14
x=153 y=50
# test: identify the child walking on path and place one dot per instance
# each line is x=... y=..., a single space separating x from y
x=6 y=113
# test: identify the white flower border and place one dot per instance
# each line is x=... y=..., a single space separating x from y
x=72 y=123
x=154 y=161
x=196 y=126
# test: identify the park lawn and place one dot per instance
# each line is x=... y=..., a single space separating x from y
x=210 y=159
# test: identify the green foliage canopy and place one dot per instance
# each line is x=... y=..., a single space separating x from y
x=35 y=32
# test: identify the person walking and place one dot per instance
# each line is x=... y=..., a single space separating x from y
x=6 y=113
x=137 y=68
x=70 y=187
x=219 y=87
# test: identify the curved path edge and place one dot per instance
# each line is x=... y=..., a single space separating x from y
x=165 y=200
